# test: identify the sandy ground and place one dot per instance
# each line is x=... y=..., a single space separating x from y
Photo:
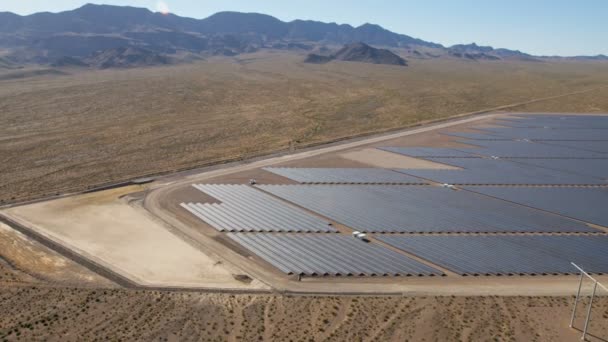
x=47 y=314
x=378 y=158
x=126 y=239
x=30 y=262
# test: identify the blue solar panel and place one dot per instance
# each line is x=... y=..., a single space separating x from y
x=597 y=168
x=526 y=149
x=585 y=204
x=508 y=254
x=411 y=209
x=540 y=134
x=592 y=146
x=501 y=171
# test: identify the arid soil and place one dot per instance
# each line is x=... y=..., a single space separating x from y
x=70 y=314
x=23 y=261
x=126 y=239
x=72 y=130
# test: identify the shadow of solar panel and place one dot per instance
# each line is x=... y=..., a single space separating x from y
x=344 y=175
x=585 y=204
x=244 y=208
x=499 y=172
x=429 y=152
x=330 y=255
x=417 y=209
x=526 y=149
x=508 y=254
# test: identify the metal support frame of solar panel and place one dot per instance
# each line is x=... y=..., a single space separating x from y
x=508 y=254
x=484 y=171
x=423 y=152
x=244 y=208
x=527 y=149
x=420 y=209
x=584 y=204
x=345 y=176
x=330 y=255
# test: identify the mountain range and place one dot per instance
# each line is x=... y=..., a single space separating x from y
x=113 y=36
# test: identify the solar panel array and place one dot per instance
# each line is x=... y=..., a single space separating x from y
x=558 y=150
x=596 y=168
x=415 y=209
x=542 y=134
x=585 y=204
x=244 y=208
x=556 y=121
x=528 y=149
x=344 y=175
x=335 y=255
x=499 y=171
x=590 y=146
x=508 y=254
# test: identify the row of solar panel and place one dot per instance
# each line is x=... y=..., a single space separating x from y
x=561 y=122
x=533 y=134
x=340 y=255
x=516 y=171
x=336 y=255
x=508 y=255
x=420 y=209
x=512 y=149
x=344 y=175
x=246 y=209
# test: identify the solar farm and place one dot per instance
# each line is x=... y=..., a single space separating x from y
x=520 y=195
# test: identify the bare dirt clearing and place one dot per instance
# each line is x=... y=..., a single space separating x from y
x=125 y=239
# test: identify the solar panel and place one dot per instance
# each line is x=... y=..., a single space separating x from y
x=526 y=149
x=592 y=146
x=330 y=255
x=412 y=209
x=429 y=151
x=597 y=168
x=475 y=136
x=556 y=122
x=244 y=208
x=499 y=172
x=540 y=134
x=344 y=175
x=585 y=204
x=508 y=254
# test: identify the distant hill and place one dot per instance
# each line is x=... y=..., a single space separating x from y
x=359 y=52
x=6 y=64
x=126 y=57
x=80 y=34
x=476 y=52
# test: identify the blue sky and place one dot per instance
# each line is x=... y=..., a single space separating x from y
x=542 y=27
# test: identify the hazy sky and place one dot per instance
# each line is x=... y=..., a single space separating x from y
x=541 y=27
